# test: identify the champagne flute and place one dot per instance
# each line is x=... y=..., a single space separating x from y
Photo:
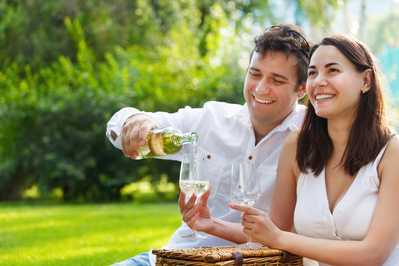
x=194 y=179
x=245 y=190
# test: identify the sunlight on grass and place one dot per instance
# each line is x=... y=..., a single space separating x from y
x=145 y=192
x=82 y=234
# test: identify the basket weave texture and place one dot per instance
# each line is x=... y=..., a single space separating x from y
x=223 y=256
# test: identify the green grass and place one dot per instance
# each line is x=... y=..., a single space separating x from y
x=102 y=234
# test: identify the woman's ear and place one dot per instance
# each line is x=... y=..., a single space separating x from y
x=367 y=79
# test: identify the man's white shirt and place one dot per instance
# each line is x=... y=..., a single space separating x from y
x=225 y=136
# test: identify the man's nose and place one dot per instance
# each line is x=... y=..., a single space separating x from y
x=263 y=87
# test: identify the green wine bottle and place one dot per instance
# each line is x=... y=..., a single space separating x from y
x=165 y=141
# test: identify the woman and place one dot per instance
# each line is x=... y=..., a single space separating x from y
x=338 y=177
x=343 y=182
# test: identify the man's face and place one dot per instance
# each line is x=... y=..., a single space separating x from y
x=271 y=88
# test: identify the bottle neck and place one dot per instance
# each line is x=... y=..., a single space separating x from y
x=186 y=138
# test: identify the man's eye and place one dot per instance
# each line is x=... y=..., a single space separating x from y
x=253 y=74
x=278 y=81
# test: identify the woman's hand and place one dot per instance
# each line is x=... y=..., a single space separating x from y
x=258 y=225
x=196 y=216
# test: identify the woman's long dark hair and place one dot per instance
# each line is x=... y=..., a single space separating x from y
x=370 y=130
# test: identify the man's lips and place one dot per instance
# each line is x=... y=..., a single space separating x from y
x=262 y=101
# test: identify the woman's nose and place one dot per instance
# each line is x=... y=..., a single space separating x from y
x=320 y=81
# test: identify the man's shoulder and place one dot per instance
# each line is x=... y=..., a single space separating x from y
x=300 y=108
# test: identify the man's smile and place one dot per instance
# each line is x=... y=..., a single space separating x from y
x=262 y=101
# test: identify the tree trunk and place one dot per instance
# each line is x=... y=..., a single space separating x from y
x=362 y=21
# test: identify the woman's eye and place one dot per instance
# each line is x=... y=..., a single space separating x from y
x=311 y=73
x=333 y=70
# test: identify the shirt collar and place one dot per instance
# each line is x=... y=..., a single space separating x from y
x=292 y=122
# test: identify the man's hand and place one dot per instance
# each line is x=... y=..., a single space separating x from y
x=135 y=130
x=196 y=216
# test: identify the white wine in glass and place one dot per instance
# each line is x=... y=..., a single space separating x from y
x=194 y=179
x=245 y=190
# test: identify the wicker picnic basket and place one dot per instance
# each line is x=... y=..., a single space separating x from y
x=227 y=255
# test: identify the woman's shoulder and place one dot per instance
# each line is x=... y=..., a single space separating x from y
x=393 y=146
x=391 y=155
x=288 y=154
x=292 y=138
x=290 y=144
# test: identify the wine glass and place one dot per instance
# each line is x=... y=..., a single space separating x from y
x=194 y=179
x=245 y=190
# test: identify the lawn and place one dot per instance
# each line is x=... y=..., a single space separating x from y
x=89 y=234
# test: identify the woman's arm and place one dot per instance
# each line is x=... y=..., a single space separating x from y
x=284 y=197
x=281 y=212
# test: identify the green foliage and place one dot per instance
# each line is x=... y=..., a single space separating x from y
x=32 y=32
x=54 y=120
x=145 y=192
x=383 y=31
x=68 y=65
x=316 y=11
x=82 y=235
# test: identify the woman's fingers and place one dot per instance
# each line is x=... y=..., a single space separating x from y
x=192 y=220
x=189 y=213
x=205 y=196
x=182 y=201
x=245 y=208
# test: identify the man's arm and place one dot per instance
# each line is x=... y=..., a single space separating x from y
x=129 y=127
x=183 y=119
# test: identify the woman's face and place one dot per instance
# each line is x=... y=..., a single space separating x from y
x=334 y=86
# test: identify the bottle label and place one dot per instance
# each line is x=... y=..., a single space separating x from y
x=155 y=144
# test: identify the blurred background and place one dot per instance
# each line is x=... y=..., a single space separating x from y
x=68 y=65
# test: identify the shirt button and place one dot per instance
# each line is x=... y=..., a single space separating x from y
x=353 y=189
x=347 y=199
x=340 y=210
x=332 y=228
x=250 y=157
x=208 y=156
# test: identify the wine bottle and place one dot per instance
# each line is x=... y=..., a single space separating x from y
x=165 y=141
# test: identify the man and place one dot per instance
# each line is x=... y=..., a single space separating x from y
x=231 y=133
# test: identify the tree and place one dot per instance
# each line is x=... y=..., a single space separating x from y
x=32 y=32
x=54 y=110
x=382 y=29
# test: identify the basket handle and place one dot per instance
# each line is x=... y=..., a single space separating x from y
x=239 y=258
x=286 y=257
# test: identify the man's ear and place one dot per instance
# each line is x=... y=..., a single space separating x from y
x=302 y=90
